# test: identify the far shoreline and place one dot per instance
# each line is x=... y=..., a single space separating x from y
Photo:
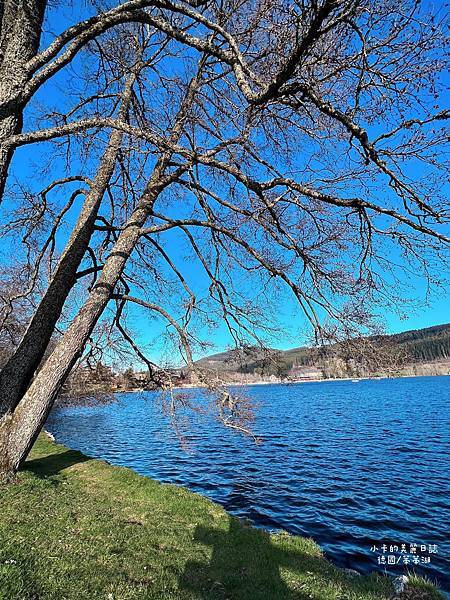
x=298 y=381
x=74 y=396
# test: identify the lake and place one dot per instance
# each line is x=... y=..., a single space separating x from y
x=358 y=466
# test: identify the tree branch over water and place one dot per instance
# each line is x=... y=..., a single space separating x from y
x=199 y=159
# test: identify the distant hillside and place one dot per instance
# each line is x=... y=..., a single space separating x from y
x=416 y=352
x=431 y=343
x=414 y=346
x=241 y=360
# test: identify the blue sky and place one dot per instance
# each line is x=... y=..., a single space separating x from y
x=417 y=313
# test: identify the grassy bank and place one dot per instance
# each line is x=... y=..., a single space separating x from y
x=73 y=528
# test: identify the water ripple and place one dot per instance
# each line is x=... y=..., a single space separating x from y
x=351 y=465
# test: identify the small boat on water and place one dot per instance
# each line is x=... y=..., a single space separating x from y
x=355 y=380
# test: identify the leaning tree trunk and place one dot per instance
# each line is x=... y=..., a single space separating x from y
x=19 y=429
x=17 y=374
x=20 y=34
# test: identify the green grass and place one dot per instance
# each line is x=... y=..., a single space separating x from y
x=76 y=528
x=419 y=588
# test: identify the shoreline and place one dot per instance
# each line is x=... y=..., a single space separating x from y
x=299 y=381
x=155 y=540
x=78 y=394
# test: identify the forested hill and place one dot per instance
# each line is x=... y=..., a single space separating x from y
x=415 y=346
x=431 y=343
x=417 y=352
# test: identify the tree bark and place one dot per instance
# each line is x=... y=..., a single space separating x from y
x=19 y=429
x=16 y=375
x=20 y=34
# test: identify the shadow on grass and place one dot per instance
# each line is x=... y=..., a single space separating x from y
x=53 y=464
x=246 y=564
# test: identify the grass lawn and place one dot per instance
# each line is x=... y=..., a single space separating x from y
x=73 y=528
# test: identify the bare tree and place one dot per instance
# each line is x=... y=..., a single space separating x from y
x=295 y=145
x=23 y=69
x=13 y=319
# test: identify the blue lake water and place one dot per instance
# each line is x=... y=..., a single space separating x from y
x=353 y=465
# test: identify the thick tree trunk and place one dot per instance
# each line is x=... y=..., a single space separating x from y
x=20 y=33
x=9 y=126
x=16 y=375
x=18 y=430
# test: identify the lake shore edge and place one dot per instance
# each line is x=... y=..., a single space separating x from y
x=74 y=395
x=107 y=532
x=299 y=381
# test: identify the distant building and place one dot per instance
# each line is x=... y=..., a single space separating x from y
x=302 y=372
x=141 y=377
